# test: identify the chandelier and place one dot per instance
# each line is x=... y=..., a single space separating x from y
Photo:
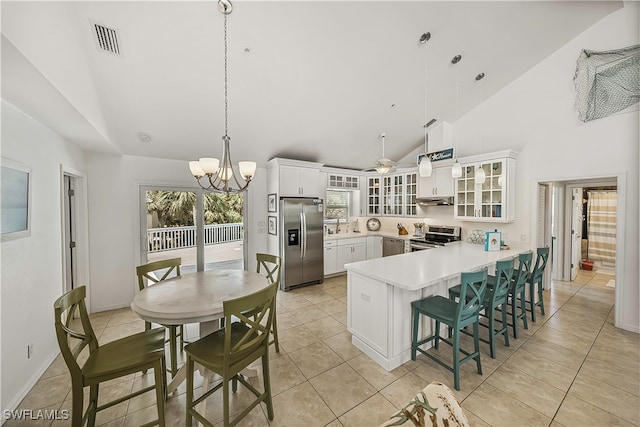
x=219 y=173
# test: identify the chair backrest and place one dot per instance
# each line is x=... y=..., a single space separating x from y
x=261 y=305
x=472 y=289
x=500 y=292
x=541 y=263
x=74 y=334
x=145 y=271
x=271 y=265
x=522 y=274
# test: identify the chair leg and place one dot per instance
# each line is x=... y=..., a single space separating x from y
x=523 y=308
x=275 y=332
x=189 y=397
x=234 y=384
x=532 y=303
x=414 y=340
x=225 y=402
x=505 y=327
x=492 y=333
x=77 y=405
x=540 y=298
x=93 y=400
x=267 y=385
x=456 y=357
x=514 y=316
x=160 y=377
x=476 y=343
x=181 y=333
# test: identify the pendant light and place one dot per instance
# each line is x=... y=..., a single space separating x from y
x=480 y=175
x=219 y=174
x=425 y=167
x=456 y=169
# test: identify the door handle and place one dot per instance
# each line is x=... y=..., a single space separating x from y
x=301 y=235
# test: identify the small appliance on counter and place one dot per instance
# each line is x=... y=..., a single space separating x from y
x=436 y=235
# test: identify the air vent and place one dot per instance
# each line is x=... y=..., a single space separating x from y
x=430 y=122
x=107 y=39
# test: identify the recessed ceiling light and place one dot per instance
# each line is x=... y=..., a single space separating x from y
x=144 y=137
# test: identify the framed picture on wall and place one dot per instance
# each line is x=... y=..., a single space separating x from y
x=273 y=225
x=16 y=200
x=272 y=202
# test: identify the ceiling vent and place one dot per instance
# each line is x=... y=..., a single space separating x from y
x=107 y=39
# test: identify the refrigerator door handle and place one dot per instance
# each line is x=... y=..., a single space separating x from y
x=302 y=235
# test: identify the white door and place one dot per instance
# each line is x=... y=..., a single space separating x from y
x=576 y=230
x=69 y=219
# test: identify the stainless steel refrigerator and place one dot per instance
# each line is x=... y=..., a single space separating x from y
x=301 y=242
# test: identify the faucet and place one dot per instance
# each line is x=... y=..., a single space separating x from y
x=338 y=225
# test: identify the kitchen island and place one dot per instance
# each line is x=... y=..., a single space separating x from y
x=380 y=292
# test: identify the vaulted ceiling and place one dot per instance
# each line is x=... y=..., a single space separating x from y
x=309 y=80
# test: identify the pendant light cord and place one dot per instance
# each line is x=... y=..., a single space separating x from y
x=226 y=105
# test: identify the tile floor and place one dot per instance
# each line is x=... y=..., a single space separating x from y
x=571 y=368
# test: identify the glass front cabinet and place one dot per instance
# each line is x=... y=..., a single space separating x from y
x=392 y=194
x=494 y=199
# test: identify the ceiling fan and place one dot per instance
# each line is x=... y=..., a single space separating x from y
x=383 y=165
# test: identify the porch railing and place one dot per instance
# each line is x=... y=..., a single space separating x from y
x=170 y=238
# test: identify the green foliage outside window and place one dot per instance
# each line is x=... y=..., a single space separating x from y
x=178 y=208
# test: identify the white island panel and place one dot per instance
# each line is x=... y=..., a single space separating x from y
x=380 y=293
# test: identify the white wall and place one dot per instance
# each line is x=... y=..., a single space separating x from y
x=114 y=225
x=32 y=267
x=536 y=113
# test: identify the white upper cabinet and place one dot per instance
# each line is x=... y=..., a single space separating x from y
x=439 y=184
x=493 y=200
x=392 y=194
x=348 y=182
x=293 y=178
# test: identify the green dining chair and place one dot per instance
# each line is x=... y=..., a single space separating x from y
x=456 y=315
x=495 y=300
x=536 y=282
x=231 y=349
x=116 y=359
x=155 y=272
x=271 y=264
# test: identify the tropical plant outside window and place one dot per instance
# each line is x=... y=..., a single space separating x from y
x=178 y=208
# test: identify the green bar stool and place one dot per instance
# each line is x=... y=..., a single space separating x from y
x=456 y=315
x=517 y=292
x=535 y=283
x=496 y=297
x=270 y=264
x=116 y=359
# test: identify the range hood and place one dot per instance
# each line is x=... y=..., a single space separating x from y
x=435 y=201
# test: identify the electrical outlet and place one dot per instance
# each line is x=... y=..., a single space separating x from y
x=29 y=351
x=523 y=237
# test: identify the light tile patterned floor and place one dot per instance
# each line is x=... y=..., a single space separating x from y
x=572 y=367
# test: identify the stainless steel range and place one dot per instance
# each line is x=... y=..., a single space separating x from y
x=436 y=235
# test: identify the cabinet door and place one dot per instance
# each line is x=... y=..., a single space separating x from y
x=492 y=194
x=330 y=260
x=359 y=252
x=398 y=193
x=410 y=191
x=336 y=181
x=344 y=257
x=427 y=185
x=465 y=197
x=351 y=182
x=443 y=182
x=289 y=181
x=309 y=182
x=373 y=196
x=374 y=247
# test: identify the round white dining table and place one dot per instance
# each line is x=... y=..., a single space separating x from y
x=195 y=298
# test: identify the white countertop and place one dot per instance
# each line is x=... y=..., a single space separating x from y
x=417 y=270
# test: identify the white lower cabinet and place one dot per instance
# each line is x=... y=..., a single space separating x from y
x=338 y=252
